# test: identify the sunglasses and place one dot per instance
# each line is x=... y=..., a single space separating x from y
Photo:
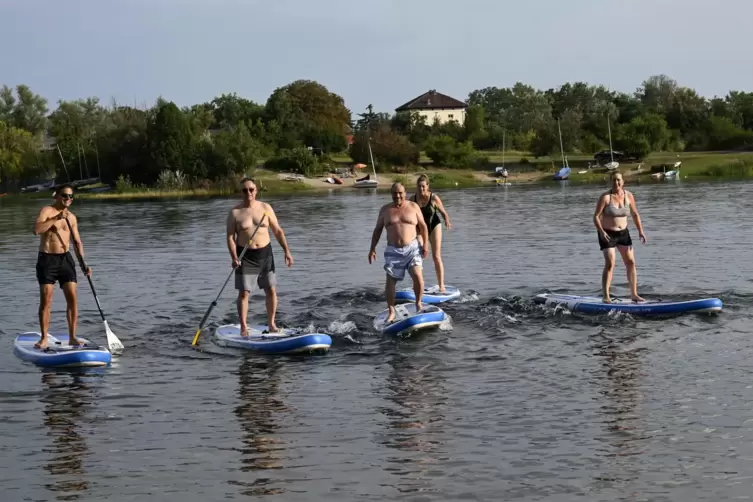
x=68 y=196
x=249 y=190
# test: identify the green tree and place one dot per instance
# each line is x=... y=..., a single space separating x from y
x=170 y=141
x=27 y=112
x=310 y=115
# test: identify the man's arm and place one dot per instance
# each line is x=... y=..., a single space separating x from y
x=276 y=229
x=377 y=233
x=230 y=231
x=46 y=219
x=75 y=236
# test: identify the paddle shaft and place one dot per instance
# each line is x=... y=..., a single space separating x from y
x=83 y=266
x=214 y=303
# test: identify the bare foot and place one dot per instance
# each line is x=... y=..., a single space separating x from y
x=74 y=342
x=606 y=299
x=274 y=329
x=442 y=289
x=637 y=298
x=244 y=332
x=390 y=316
x=419 y=307
x=41 y=344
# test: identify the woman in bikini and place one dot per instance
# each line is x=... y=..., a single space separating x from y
x=610 y=219
x=431 y=207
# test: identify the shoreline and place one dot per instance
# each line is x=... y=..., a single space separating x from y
x=700 y=166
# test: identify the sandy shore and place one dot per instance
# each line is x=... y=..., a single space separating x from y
x=385 y=180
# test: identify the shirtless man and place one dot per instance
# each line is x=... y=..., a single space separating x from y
x=258 y=262
x=55 y=263
x=610 y=219
x=400 y=218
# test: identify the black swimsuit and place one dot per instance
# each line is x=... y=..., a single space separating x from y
x=431 y=215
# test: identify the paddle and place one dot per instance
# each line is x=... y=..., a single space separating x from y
x=214 y=303
x=113 y=344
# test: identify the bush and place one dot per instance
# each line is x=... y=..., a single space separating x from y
x=298 y=160
x=171 y=180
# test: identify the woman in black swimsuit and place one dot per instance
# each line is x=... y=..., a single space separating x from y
x=431 y=207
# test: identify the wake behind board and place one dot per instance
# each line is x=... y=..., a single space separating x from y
x=408 y=320
x=594 y=305
x=289 y=341
x=431 y=295
x=58 y=353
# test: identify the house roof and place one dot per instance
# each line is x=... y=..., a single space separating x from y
x=431 y=100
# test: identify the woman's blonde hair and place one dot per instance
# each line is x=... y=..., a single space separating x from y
x=421 y=178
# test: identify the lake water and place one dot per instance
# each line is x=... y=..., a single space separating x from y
x=515 y=402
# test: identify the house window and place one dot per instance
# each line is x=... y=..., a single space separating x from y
x=450 y=116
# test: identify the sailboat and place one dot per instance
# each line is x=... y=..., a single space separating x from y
x=611 y=165
x=563 y=173
x=500 y=170
x=366 y=182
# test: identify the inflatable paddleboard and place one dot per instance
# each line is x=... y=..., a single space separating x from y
x=590 y=304
x=431 y=295
x=408 y=320
x=58 y=353
x=289 y=341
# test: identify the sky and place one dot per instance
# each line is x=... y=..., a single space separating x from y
x=379 y=52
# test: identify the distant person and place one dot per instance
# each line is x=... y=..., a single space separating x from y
x=610 y=219
x=431 y=207
x=258 y=263
x=55 y=263
x=403 y=252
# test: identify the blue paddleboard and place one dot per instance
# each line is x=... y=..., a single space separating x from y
x=593 y=305
x=289 y=341
x=408 y=320
x=431 y=295
x=58 y=353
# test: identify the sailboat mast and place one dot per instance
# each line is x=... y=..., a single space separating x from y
x=371 y=156
x=562 y=148
x=504 y=131
x=609 y=128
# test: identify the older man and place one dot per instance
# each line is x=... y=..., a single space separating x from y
x=258 y=263
x=403 y=252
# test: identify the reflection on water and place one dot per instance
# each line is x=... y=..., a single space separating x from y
x=416 y=421
x=67 y=401
x=621 y=378
x=258 y=392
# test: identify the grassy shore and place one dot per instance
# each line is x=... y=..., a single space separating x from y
x=523 y=168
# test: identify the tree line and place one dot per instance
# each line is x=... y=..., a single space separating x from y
x=302 y=125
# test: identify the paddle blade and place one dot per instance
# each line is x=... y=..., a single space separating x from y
x=112 y=341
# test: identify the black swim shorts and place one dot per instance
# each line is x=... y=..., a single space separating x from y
x=616 y=238
x=256 y=264
x=53 y=268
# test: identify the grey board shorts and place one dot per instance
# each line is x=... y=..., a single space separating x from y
x=257 y=264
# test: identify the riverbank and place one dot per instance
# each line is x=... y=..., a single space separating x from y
x=694 y=166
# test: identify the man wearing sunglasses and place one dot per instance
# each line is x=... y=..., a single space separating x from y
x=55 y=263
x=258 y=263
